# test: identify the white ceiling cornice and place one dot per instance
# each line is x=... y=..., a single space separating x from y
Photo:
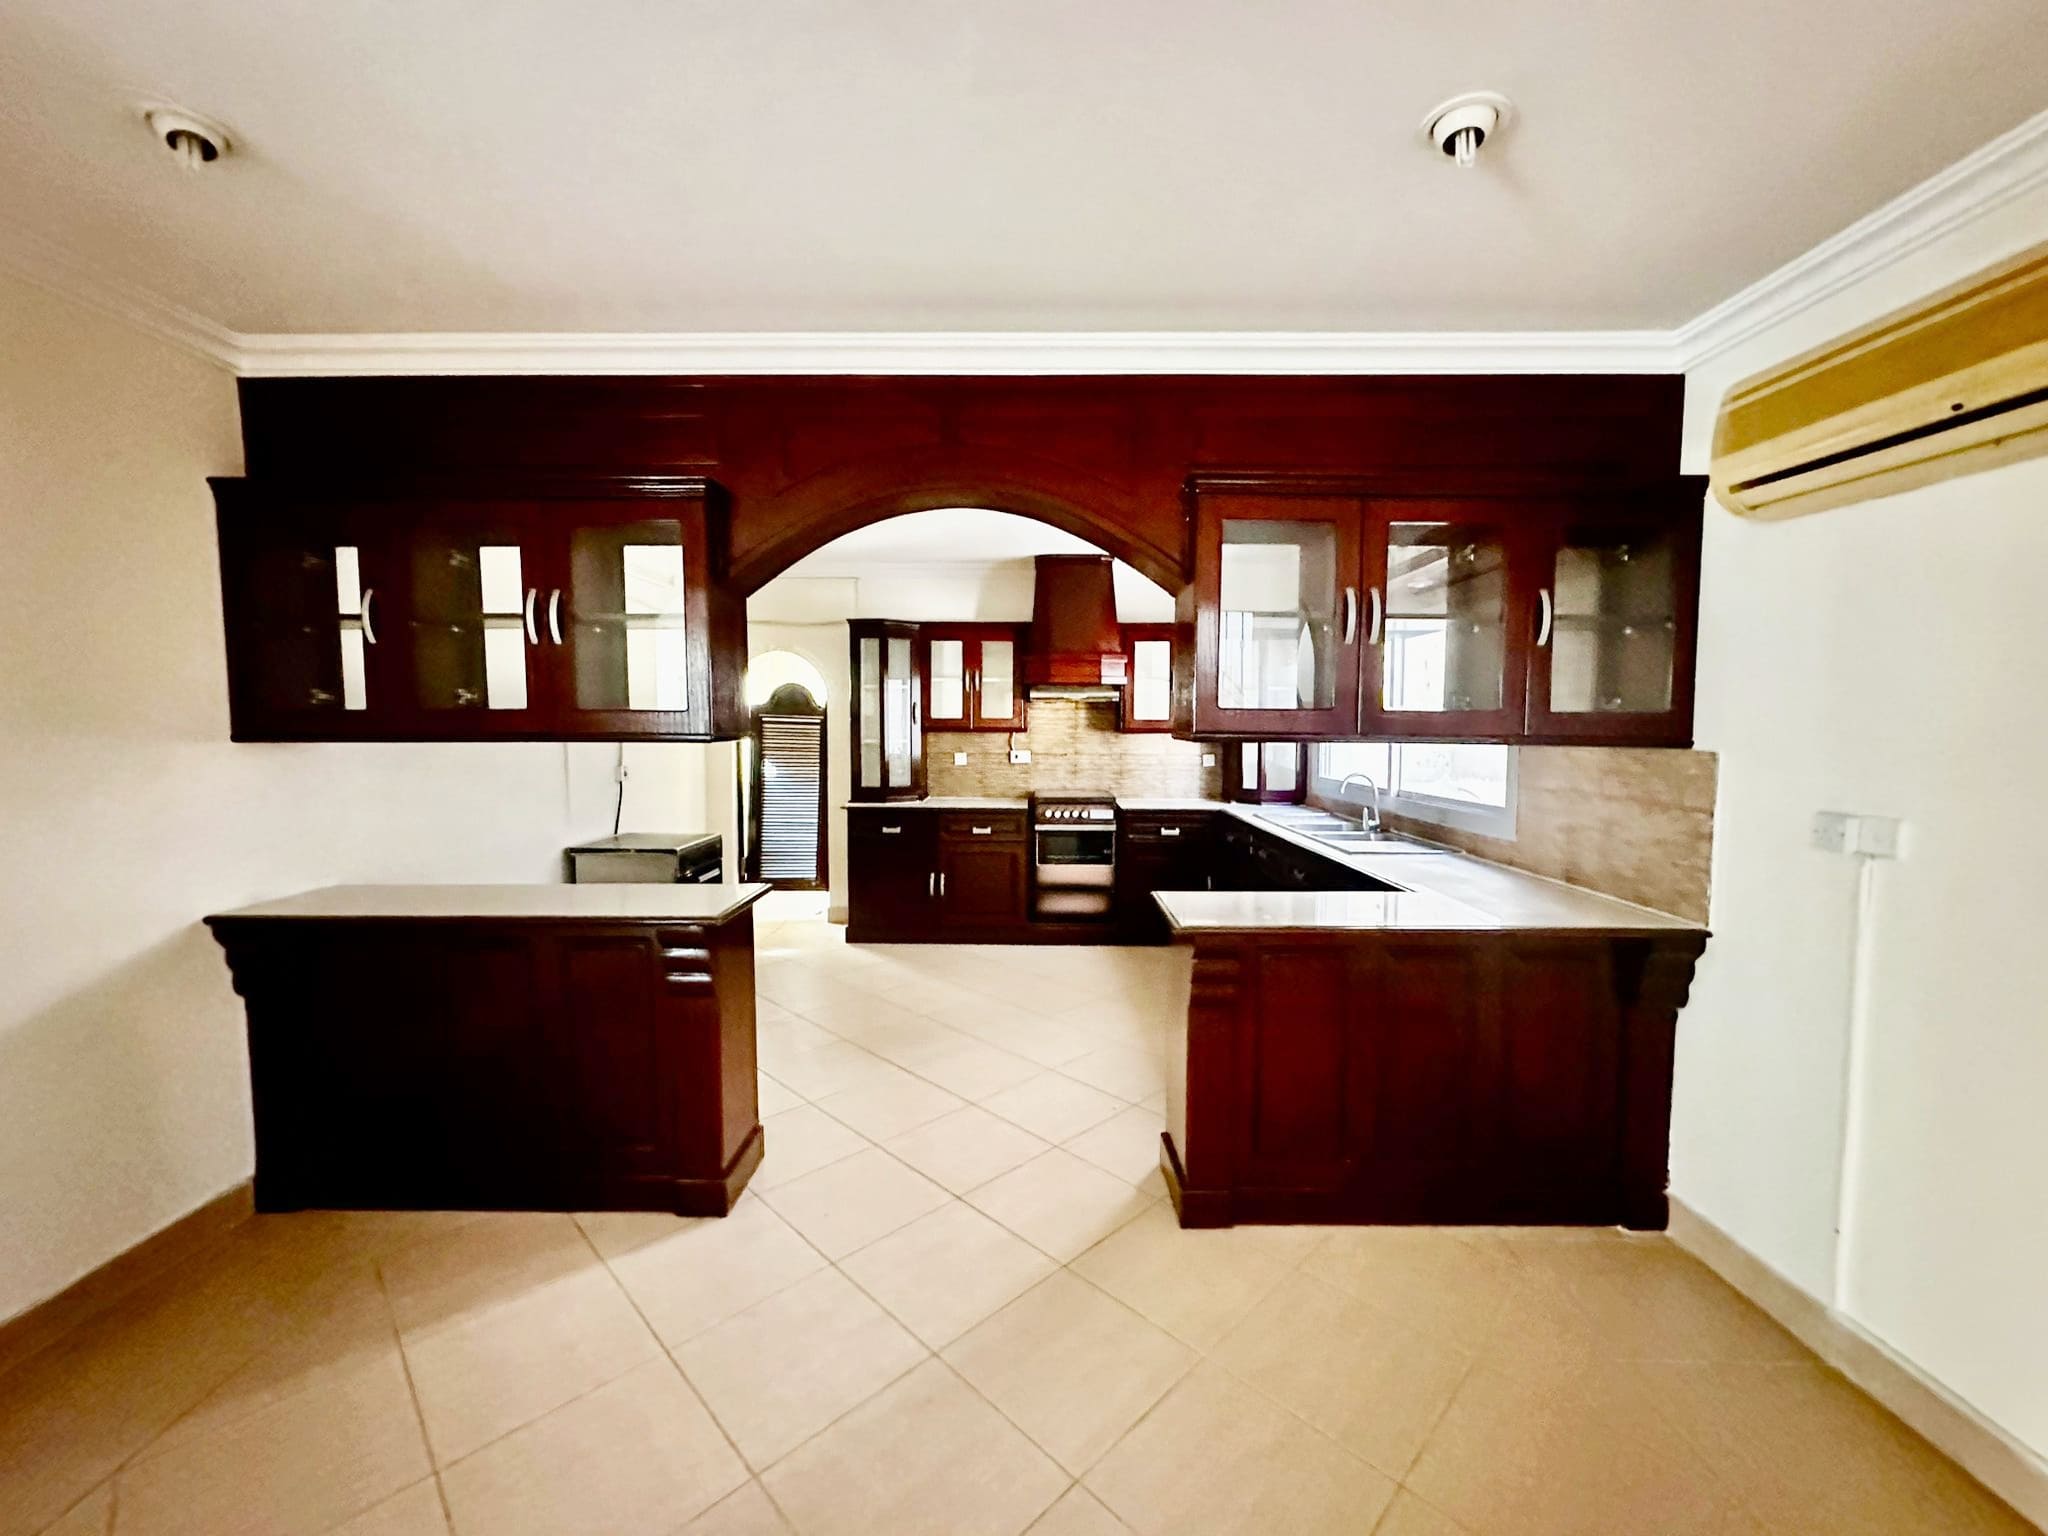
x=2009 y=166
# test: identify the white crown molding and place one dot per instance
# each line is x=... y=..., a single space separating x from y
x=39 y=261
x=964 y=352
x=2011 y=165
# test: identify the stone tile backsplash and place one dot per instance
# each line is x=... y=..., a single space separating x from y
x=1074 y=746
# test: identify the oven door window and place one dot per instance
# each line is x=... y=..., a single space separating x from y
x=1076 y=846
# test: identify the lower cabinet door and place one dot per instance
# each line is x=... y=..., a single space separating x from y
x=982 y=884
x=891 y=875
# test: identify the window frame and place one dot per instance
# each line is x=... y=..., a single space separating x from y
x=1456 y=815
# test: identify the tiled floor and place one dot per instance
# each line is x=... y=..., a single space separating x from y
x=953 y=1302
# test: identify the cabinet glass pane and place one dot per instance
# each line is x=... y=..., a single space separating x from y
x=948 y=661
x=870 y=706
x=1445 y=641
x=468 y=622
x=899 y=714
x=1283 y=767
x=1614 y=627
x=626 y=615
x=1151 y=695
x=998 y=679
x=1279 y=596
x=308 y=648
x=348 y=593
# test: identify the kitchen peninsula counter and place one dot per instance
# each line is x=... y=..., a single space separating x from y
x=507 y=1047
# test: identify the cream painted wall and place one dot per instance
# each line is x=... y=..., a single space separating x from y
x=128 y=814
x=1882 y=658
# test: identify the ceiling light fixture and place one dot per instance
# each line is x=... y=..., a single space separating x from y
x=1459 y=127
x=195 y=141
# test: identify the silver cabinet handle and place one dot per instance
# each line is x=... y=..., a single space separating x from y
x=1379 y=615
x=555 y=615
x=931 y=885
x=1350 y=614
x=532 y=629
x=890 y=831
x=369 y=621
x=942 y=887
x=982 y=831
x=1549 y=615
x=1169 y=831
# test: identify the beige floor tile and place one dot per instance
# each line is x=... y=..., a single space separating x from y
x=826 y=1069
x=714 y=1267
x=1023 y=1033
x=1130 y=1072
x=1196 y=1285
x=1807 y=1452
x=92 y=1515
x=637 y=1457
x=1647 y=1300
x=1078 y=1513
x=1126 y=1144
x=849 y=1204
x=974 y=1070
x=1431 y=1277
x=1071 y=1367
x=968 y=1147
x=1060 y=1204
x=1410 y=1516
x=1216 y=1457
x=1053 y=1106
x=773 y=1097
x=925 y=1458
x=781 y=1371
x=614 y=1234
x=947 y=1271
x=497 y=1369
x=800 y=1141
x=482 y=1264
x=1586 y=1456
x=307 y=1461
x=1374 y=1385
x=414 y=1511
x=748 y=1512
x=889 y=1106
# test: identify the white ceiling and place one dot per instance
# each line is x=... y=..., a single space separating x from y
x=694 y=165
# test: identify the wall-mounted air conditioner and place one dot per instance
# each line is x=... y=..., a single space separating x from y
x=1956 y=384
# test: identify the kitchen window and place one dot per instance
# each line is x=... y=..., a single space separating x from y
x=1452 y=784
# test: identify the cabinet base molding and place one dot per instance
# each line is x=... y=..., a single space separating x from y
x=48 y=1322
x=1195 y=1207
x=1983 y=1450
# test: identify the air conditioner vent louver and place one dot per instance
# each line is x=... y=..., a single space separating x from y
x=1956 y=384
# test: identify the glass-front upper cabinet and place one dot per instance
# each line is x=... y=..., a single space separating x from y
x=308 y=602
x=471 y=637
x=888 y=710
x=973 y=677
x=1445 y=654
x=1148 y=696
x=1278 y=615
x=1613 y=654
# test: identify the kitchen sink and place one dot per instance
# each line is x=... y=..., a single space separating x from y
x=1342 y=834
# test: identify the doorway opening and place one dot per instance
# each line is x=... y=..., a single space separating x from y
x=783 y=775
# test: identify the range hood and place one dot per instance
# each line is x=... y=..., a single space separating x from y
x=1077 y=648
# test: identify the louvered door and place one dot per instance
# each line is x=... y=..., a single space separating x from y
x=790 y=850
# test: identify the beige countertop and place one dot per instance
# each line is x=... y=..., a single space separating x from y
x=1165 y=803
x=945 y=803
x=1465 y=895
x=580 y=903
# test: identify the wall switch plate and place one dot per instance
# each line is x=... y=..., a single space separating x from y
x=1845 y=832
x=1020 y=754
x=959 y=759
x=1208 y=759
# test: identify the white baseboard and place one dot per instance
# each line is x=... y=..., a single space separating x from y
x=1950 y=1425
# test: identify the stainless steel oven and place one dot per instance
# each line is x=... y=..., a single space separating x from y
x=1073 y=857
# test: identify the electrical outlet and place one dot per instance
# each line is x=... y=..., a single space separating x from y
x=1831 y=831
x=1844 y=832
x=1020 y=754
x=959 y=759
x=1208 y=759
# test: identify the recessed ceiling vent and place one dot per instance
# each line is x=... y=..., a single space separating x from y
x=195 y=141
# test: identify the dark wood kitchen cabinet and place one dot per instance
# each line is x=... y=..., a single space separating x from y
x=561 y=611
x=1161 y=851
x=1147 y=700
x=891 y=872
x=887 y=663
x=1328 y=611
x=973 y=676
x=501 y=1047
x=923 y=873
x=984 y=871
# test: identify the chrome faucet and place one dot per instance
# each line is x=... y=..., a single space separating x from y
x=1372 y=816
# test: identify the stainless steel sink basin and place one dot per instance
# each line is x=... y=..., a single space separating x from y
x=1369 y=842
